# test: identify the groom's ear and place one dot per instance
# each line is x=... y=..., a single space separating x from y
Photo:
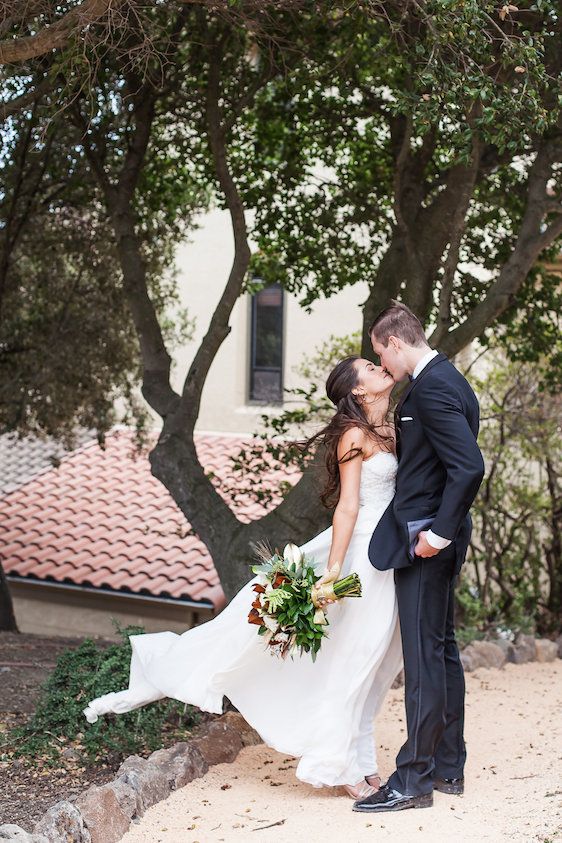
x=395 y=343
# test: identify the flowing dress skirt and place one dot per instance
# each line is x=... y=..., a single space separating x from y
x=321 y=712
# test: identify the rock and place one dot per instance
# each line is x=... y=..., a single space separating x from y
x=180 y=764
x=399 y=681
x=547 y=651
x=559 y=645
x=468 y=660
x=490 y=653
x=102 y=814
x=129 y=800
x=235 y=720
x=507 y=647
x=220 y=745
x=63 y=823
x=482 y=654
x=525 y=649
x=145 y=779
x=14 y=833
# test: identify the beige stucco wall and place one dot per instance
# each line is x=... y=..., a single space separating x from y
x=46 y=610
x=203 y=265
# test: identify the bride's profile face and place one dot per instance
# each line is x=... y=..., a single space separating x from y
x=374 y=380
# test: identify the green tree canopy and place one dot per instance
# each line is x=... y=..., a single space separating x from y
x=397 y=143
x=424 y=158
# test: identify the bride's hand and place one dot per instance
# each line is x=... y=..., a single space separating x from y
x=329 y=576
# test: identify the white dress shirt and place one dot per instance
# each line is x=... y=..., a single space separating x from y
x=432 y=538
x=421 y=364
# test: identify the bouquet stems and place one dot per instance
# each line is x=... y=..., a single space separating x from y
x=349 y=586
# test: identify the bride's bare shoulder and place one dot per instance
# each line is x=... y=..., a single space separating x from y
x=352 y=442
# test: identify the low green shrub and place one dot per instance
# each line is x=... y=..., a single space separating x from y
x=81 y=674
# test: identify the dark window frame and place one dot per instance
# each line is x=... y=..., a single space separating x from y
x=253 y=342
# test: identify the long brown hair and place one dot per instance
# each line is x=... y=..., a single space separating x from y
x=340 y=384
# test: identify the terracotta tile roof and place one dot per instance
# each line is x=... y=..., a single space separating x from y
x=21 y=459
x=101 y=519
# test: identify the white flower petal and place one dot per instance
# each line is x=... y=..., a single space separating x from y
x=292 y=554
x=270 y=623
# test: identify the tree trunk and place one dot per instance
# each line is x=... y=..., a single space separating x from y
x=386 y=286
x=553 y=549
x=301 y=515
x=7 y=616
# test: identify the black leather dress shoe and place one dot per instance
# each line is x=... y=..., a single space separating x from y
x=388 y=799
x=454 y=786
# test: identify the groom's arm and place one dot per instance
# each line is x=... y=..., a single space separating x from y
x=444 y=423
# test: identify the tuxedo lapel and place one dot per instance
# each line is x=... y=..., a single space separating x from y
x=433 y=362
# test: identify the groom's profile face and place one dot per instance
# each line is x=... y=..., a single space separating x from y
x=390 y=358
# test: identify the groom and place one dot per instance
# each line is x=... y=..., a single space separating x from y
x=424 y=536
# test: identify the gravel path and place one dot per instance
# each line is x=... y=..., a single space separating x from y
x=514 y=781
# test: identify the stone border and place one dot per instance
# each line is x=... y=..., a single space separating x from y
x=104 y=813
x=525 y=648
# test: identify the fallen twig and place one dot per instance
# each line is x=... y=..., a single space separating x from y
x=279 y=822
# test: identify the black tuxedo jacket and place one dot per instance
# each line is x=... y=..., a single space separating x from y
x=440 y=466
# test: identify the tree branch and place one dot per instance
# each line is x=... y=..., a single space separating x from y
x=19 y=103
x=14 y=50
x=457 y=229
x=401 y=162
x=218 y=327
x=532 y=240
x=156 y=387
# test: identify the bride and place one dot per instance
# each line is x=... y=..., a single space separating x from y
x=321 y=712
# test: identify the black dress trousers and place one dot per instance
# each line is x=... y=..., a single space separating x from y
x=434 y=678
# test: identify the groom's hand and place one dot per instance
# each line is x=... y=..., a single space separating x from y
x=423 y=548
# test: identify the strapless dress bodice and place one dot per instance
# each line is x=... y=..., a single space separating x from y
x=378 y=479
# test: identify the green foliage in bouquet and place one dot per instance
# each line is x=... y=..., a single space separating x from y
x=283 y=609
x=81 y=674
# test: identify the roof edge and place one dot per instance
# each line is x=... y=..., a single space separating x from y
x=147 y=598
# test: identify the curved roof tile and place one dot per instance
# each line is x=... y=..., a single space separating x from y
x=101 y=519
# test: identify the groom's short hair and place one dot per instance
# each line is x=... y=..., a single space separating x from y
x=397 y=320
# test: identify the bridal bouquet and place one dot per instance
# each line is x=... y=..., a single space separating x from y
x=286 y=607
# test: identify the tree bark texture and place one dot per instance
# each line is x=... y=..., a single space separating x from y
x=7 y=615
x=424 y=247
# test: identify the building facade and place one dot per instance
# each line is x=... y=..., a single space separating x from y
x=270 y=334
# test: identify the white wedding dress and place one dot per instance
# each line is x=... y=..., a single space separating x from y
x=321 y=712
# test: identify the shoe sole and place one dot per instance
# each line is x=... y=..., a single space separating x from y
x=452 y=790
x=425 y=801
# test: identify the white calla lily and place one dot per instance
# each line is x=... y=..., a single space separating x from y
x=292 y=554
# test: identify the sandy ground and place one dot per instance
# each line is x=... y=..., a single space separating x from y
x=514 y=781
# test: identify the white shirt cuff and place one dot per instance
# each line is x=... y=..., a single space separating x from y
x=436 y=541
